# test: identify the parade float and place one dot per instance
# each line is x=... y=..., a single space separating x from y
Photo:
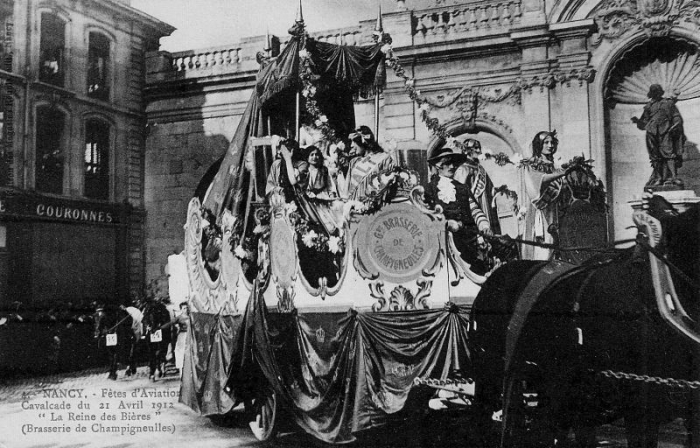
x=332 y=328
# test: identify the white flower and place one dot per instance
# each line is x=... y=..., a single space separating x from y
x=259 y=229
x=425 y=107
x=335 y=244
x=404 y=175
x=446 y=190
x=410 y=82
x=323 y=119
x=290 y=207
x=517 y=158
x=318 y=123
x=309 y=238
x=303 y=53
x=305 y=92
x=240 y=252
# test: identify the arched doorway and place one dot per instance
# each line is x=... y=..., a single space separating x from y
x=675 y=65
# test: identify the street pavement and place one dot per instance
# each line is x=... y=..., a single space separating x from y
x=87 y=410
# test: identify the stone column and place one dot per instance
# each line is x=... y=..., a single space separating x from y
x=574 y=74
x=534 y=79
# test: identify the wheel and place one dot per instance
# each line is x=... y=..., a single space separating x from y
x=263 y=412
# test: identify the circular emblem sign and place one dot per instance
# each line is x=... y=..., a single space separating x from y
x=399 y=242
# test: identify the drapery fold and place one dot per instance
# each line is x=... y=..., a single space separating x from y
x=212 y=339
x=342 y=373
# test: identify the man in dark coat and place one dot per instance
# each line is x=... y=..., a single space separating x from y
x=464 y=217
x=664 y=137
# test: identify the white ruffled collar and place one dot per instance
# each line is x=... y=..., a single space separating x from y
x=447 y=192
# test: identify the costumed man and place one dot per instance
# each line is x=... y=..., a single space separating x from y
x=464 y=217
x=664 y=137
x=474 y=176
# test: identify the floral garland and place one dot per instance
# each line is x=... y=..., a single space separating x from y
x=308 y=77
x=433 y=124
x=311 y=235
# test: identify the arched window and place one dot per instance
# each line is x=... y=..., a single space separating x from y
x=96 y=159
x=50 y=155
x=98 y=66
x=52 y=48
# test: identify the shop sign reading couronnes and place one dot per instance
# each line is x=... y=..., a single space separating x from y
x=14 y=204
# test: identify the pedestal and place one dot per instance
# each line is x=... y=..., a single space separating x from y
x=681 y=200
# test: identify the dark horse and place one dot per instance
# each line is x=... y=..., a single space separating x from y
x=157 y=322
x=110 y=321
x=559 y=347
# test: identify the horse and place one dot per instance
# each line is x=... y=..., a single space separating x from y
x=592 y=342
x=157 y=322
x=117 y=330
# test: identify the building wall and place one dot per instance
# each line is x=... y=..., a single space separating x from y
x=59 y=251
x=531 y=66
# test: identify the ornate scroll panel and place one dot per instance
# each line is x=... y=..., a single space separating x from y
x=654 y=17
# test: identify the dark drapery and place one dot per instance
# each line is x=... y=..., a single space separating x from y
x=360 y=70
x=343 y=373
x=212 y=339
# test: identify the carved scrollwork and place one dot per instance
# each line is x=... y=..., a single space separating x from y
x=285 y=299
x=654 y=17
x=376 y=290
x=468 y=94
x=401 y=298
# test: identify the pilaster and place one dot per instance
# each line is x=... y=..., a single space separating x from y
x=534 y=78
x=573 y=75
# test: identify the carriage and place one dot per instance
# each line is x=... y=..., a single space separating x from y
x=333 y=329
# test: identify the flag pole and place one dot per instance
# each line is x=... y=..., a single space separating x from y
x=297 y=124
x=378 y=32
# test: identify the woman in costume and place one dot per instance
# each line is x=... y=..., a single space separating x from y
x=367 y=158
x=543 y=185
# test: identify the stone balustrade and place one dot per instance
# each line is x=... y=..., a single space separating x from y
x=478 y=18
x=208 y=58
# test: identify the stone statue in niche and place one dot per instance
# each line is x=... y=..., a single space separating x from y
x=664 y=138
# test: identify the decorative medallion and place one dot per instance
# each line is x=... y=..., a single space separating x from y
x=396 y=244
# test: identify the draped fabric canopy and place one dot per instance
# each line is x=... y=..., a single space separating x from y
x=340 y=72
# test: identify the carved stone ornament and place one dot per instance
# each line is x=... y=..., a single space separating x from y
x=467 y=100
x=401 y=298
x=654 y=17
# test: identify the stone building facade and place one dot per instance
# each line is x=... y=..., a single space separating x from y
x=72 y=143
x=498 y=71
